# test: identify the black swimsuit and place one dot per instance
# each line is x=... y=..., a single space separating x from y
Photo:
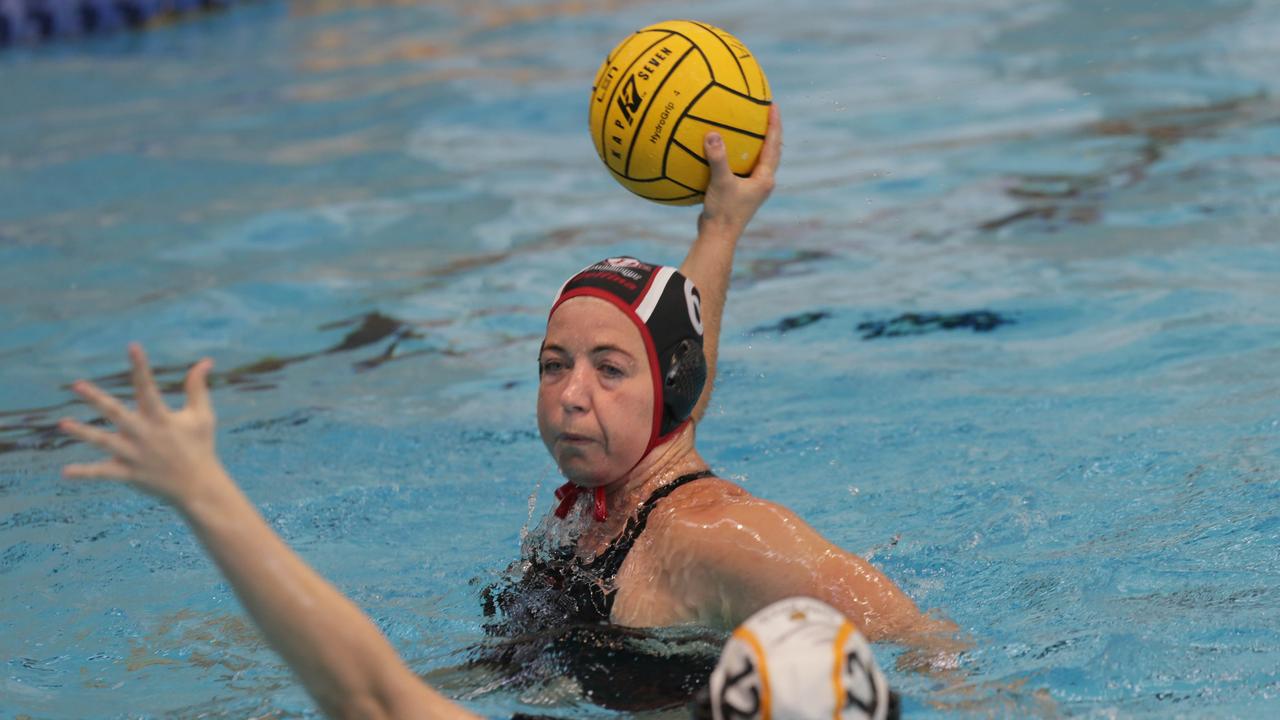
x=555 y=621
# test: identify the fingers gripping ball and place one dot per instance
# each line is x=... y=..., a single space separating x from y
x=798 y=659
x=657 y=95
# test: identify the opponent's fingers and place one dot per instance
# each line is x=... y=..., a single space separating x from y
x=111 y=408
x=146 y=394
x=717 y=156
x=108 y=442
x=111 y=469
x=197 y=385
x=771 y=152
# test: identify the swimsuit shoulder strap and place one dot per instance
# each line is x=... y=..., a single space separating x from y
x=610 y=561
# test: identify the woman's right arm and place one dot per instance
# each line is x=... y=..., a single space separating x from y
x=345 y=663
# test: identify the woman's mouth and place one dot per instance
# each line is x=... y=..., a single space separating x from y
x=575 y=439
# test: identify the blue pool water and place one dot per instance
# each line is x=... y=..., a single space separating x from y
x=1010 y=327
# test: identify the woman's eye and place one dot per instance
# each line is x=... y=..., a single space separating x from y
x=550 y=366
x=611 y=371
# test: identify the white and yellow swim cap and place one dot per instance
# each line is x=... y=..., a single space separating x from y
x=798 y=659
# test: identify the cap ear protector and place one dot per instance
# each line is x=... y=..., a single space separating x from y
x=682 y=386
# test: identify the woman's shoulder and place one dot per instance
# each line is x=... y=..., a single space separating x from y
x=717 y=530
x=707 y=493
x=708 y=502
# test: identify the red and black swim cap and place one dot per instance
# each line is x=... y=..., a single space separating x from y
x=667 y=309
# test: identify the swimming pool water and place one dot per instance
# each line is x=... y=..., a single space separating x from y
x=361 y=212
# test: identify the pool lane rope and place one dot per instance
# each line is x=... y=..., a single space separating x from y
x=30 y=22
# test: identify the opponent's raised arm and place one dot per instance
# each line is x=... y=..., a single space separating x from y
x=730 y=203
x=338 y=653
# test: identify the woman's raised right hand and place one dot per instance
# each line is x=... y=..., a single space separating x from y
x=167 y=453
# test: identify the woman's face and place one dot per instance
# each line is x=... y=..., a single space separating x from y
x=595 y=392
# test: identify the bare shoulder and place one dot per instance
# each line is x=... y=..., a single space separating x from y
x=722 y=553
x=716 y=508
x=726 y=553
x=706 y=495
x=702 y=501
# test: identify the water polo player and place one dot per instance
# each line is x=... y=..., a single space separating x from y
x=625 y=373
x=663 y=541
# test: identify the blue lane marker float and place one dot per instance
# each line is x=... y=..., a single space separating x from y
x=26 y=22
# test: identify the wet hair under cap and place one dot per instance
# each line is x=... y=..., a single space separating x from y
x=667 y=309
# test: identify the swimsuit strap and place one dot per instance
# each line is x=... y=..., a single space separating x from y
x=610 y=561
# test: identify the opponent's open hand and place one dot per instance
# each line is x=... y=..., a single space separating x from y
x=732 y=201
x=160 y=451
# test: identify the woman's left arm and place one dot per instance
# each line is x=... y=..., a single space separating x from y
x=728 y=207
x=757 y=552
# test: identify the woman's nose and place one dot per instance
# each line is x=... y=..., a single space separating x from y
x=576 y=396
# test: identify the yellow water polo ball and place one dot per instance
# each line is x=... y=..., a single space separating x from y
x=657 y=95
